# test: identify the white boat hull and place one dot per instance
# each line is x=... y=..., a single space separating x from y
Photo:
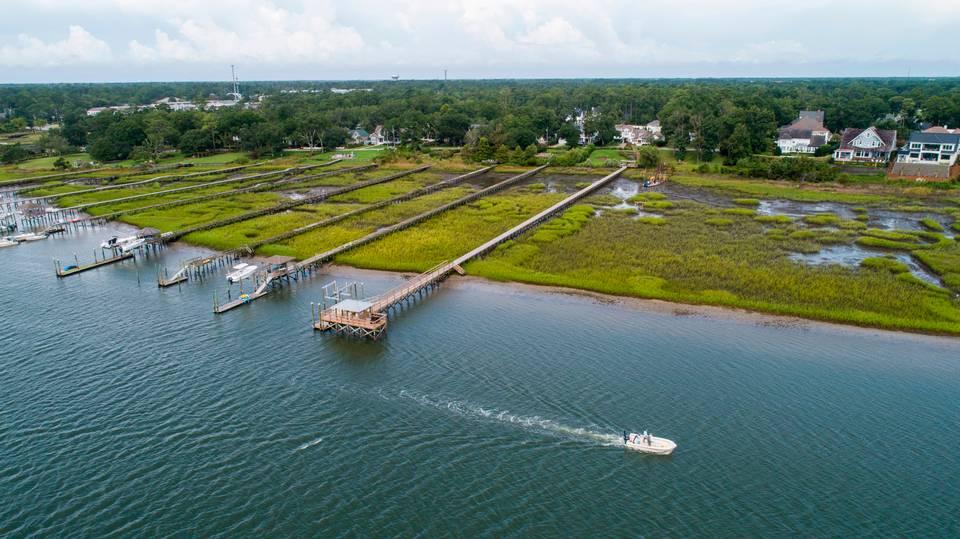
x=656 y=446
x=131 y=245
x=241 y=274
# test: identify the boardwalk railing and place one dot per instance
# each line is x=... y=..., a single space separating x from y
x=250 y=248
x=213 y=196
x=326 y=256
x=291 y=170
x=177 y=234
x=156 y=179
x=426 y=280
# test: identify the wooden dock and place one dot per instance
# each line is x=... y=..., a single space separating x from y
x=203 y=198
x=156 y=179
x=63 y=271
x=369 y=319
x=284 y=206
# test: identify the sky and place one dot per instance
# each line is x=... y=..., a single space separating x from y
x=155 y=40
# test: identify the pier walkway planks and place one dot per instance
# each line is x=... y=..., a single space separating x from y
x=372 y=322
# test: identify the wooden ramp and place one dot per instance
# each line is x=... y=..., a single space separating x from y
x=371 y=320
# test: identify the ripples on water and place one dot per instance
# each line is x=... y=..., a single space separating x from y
x=488 y=411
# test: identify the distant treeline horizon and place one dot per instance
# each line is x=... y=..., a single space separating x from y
x=736 y=117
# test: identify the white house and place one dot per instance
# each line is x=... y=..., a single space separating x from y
x=934 y=148
x=654 y=127
x=805 y=134
x=870 y=145
x=377 y=137
x=638 y=135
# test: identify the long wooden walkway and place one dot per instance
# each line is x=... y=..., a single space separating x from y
x=166 y=178
x=167 y=237
x=45 y=177
x=250 y=248
x=284 y=172
x=326 y=256
x=372 y=321
x=213 y=196
x=307 y=265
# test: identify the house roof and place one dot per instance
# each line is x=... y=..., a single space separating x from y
x=358 y=133
x=801 y=128
x=816 y=115
x=654 y=123
x=924 y=137
x=888 y=136
x=943 y=129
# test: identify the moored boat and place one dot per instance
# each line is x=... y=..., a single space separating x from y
x=240 y=272
x=29 y=236
x=647 y=443
x=116 y=242
x=135 y=243
x=8 y=242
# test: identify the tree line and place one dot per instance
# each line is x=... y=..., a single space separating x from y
x=490 y=119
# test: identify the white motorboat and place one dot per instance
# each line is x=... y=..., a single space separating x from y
x=131 y=244
x=647 y=443
x=116 y=242
x=29 y=236
x=8 y=242
x=240 y=272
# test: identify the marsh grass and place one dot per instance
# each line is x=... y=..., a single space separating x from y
x=719 y=221
x=931 y=224
x=451 y=233
x=773 y=219
x=739 y=265
x=746 y=201
x=884 y=263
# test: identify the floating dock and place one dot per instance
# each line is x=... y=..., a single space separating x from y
x=73 y=270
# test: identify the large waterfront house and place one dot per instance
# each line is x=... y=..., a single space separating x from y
x=930 y=154
x=805 y=134
x=932 y=147
x=870 y=145
x=638 y=135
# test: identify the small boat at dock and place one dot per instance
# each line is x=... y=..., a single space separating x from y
x=116 y=242
x=132 y=244
x=8 y=242
x=240 y=272
x=648 y=443
x=29 y=236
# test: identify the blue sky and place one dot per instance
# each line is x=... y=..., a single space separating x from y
x=135 y=40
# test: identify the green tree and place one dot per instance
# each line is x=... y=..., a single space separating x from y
x=647 y=157
x=737 y=146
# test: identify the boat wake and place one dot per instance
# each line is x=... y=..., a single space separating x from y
x=309 y=444
x=532 y=423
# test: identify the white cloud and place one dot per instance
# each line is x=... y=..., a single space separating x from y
x=330 y=38
x=79 y=47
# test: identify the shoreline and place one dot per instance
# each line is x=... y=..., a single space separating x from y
x=663 y=307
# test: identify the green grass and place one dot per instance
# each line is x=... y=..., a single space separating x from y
x=931 y=224
x=770 y=189
x=882 y=263
x=744 y=212
x=687 y=260
x=719 y=221
x=650 y=220
x=880 y=243
x=823 y=219
x=449 y=234
x=774 y=219
x=658 y=205
x=746 y=201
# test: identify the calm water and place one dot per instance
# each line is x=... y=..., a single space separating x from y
x=126 y=410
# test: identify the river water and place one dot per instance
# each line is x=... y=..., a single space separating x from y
x=489 y=410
